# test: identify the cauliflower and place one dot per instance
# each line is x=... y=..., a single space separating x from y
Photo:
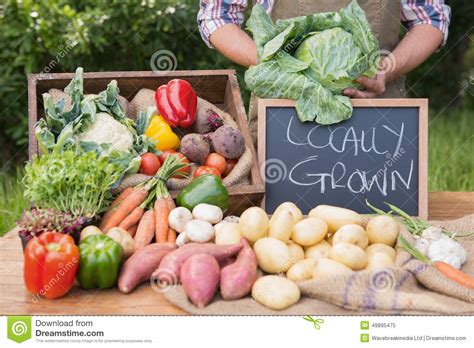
x=107 y=130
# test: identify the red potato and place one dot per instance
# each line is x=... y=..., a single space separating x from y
x=238 y=278
x=200 y=277
x=139 y=267
x=168 y=271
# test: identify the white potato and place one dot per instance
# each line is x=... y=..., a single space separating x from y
x=302 y=270
x=379 y=260
x=329 y=238
x=318 y=251
x=275 y=292
x=273 y=255
x=350 y=255
x=309 y=231
x=382 y=229
x=336 y=217
x=228 y=233
x=353 y=234
x=380 y=248
x=292 y=208
x=327 y=267
x=296 y=252
x=124 y=238
x=281 y=225
x=254 y=224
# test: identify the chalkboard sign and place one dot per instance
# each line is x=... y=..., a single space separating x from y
x=379 y=155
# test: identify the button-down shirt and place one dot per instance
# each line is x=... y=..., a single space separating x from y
x=213 y=14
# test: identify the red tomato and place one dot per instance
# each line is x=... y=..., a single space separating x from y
x=201 y=170
x=217 y=161
x=149 y=164
x=166 y=153
x=229 y=166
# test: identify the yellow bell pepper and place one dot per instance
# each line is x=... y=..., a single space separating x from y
x=161 y=131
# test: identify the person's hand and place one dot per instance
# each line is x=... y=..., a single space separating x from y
x=372 y=87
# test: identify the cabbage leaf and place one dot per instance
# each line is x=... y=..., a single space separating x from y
x=312 y=59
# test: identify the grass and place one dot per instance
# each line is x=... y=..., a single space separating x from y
x=451 y=164
x=12 y=202
x=451 y=151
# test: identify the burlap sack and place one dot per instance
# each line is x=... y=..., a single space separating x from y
x=239 y=175
x=57 y=94
x=410 y=288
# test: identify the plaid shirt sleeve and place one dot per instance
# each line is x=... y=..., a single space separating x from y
x=213 y=14
x=432 y=12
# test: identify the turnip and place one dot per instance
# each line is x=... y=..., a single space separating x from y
x=228 y=141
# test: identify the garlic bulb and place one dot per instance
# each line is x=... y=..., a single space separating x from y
x=447 y=250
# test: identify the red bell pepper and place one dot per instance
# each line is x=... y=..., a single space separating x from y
x=51 y=262
x=177 y=103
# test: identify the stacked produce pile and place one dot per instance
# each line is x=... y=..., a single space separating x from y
x=81 y=229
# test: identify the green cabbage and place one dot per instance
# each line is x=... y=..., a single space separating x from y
x=312 y=59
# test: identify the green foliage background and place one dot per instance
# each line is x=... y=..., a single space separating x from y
x=108 y=35
x=104 y=35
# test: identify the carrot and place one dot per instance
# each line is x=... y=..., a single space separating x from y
x=171 y=204
x=171 y=238
x=454 y=274
x=133 y=218
x=449 y=271
x=114 y=205
x=145 y=230
x=129 y=203
x=132 y=230
x=161 y=220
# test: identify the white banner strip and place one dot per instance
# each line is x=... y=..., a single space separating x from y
x=236 y=331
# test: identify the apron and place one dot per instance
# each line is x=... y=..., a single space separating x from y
x=383 y=17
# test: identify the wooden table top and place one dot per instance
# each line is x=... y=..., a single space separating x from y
x=14 y=298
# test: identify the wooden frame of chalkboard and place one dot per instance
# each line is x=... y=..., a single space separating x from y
x=422 y=124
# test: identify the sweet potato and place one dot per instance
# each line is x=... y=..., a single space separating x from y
x=139 y=267
x=168 y=271
x=200 y=277
x=237 y=279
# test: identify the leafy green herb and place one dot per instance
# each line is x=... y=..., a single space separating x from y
x=70 y=181
x=414 y=225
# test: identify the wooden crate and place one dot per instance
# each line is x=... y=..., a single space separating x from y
x=219 y=87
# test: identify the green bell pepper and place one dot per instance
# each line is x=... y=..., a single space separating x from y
x=99 y=262
x=204 y=189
